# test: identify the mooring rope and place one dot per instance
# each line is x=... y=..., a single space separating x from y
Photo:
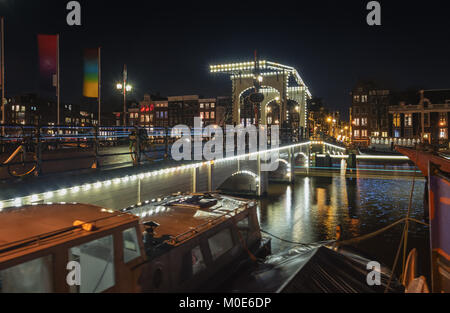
x=347 y=241
x=404 y=238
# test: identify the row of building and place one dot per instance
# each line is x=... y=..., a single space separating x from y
x=152 y=111
x=381 y=117
x=178 y=110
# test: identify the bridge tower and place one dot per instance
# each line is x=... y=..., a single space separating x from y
x=279 y=83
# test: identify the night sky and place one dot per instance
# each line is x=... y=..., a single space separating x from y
x=168 y=47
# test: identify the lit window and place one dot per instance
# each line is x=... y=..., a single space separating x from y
x=213 y=105
x=212 y=114
x=396 y=120
x=385 y=134
x=207 y=115
x=357 y=121
x=364 y=98
x=443 y=134
x=356 y=98
x=408 y=120
x=364 y=133
x=364 y=121
x=201 y=115
x=356 y=133
x=443 y=119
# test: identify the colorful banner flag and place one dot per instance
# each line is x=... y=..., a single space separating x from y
x=91 y=75
x=48 y=60
x=439 y=199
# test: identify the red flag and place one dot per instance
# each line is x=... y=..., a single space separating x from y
x=48 y=59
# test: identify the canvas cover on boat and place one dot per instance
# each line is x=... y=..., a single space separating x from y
x=312 y=270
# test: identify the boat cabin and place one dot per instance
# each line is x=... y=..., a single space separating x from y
x=180 y=243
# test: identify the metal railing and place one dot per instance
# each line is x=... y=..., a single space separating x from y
x=40 y=140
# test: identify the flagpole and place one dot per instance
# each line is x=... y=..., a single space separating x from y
x=125 y=77
x=99 y=84
x=3 y=71
x=57 y=83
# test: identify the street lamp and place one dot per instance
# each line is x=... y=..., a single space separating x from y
x=124 y=87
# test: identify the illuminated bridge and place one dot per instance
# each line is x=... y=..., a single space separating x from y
x=120 y=187
x=280 y=84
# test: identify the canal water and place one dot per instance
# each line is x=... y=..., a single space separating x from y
x=310 y=210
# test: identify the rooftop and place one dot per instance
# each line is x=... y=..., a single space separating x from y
x=437 y=96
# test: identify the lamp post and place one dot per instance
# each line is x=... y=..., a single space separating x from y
x=124 y=87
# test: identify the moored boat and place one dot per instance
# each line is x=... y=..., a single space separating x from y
x=181 y=243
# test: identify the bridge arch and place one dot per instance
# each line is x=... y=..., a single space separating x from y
x=244 y=182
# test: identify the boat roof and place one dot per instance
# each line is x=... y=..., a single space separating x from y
x=181 y=217
x=29 y=223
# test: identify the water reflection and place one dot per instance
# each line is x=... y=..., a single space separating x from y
x=310 y=210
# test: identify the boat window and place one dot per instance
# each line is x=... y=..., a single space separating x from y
x=244 y=228
x=220 y=243
x=29 y=277
x=131 y=248
x=198 y=263
x=96 y=259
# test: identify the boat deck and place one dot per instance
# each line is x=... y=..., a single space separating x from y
x=180 y=218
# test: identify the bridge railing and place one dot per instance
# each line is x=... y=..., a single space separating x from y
x=64 y=141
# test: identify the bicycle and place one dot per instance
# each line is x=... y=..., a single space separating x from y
x=145 y=145
x=20 y=163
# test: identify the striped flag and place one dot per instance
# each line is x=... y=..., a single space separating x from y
x=91 y=73
x=48 y=60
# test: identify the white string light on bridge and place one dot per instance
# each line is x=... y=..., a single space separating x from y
x=47 y=196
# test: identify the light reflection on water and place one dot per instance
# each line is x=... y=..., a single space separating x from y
x=310 y=210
